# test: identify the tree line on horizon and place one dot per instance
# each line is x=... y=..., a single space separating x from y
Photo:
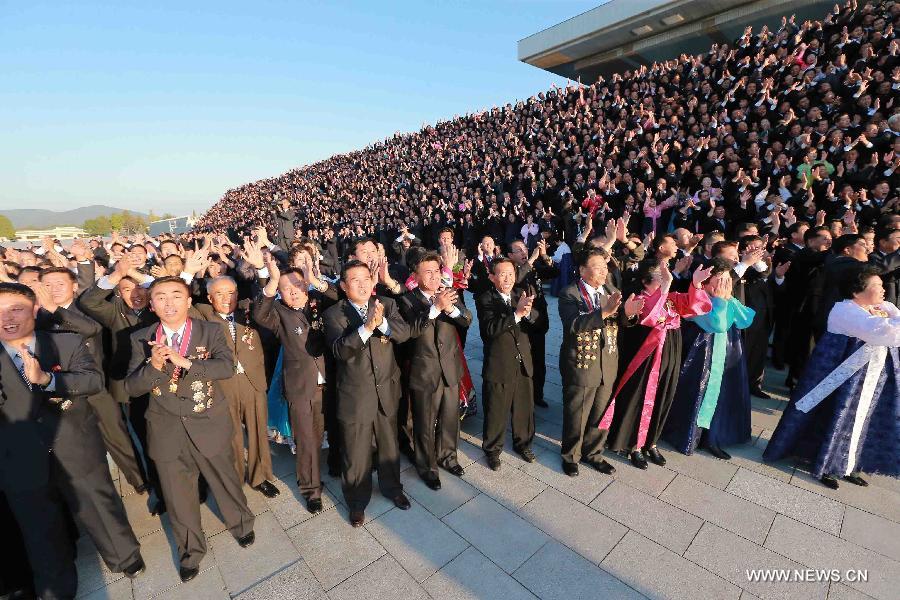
x=125 y=222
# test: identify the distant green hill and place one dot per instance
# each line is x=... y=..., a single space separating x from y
x=42 y=218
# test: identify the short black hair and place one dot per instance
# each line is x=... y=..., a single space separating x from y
x=719 y=265
x=647 y=270
x=856 y=281
x=747 y=240
x=845 y=241
x=427 y=257
x=718 y=247
x=18 y=289
x=814 y=232
x=63 y=270
x=29 y=269
x=658 y=241
x=585 y=254
x=170 y=279
x=351 y=250
x=501 y=260
x=352 y=264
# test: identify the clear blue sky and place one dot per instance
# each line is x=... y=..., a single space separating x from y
x=166 y=105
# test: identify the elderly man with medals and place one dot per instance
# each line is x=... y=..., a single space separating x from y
x=177 y=362
x=591 y=311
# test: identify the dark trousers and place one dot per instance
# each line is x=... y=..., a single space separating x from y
x=583 y=408
x=756 y=345
x=50 y=550
x=308 y=424
x=179 y=480
x=249 y=409
x=356 y=460
x=135 y=409
x=116 y=437
x=333 y=428
x=95 y=503
x=539 y=363
x=15 y=572
x=436 y=416
x=499 y=400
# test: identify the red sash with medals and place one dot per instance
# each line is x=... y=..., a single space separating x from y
x=585 y=296
x=182 y=350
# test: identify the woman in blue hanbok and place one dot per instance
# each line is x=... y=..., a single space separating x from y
x=279 y=412
x=844 y=414
x=712 y=404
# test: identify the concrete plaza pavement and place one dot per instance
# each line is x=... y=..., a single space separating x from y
x=688 y=530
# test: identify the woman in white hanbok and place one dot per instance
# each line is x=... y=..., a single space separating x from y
x=844 y=414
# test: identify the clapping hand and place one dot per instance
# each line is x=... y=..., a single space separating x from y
x=634 y=305
x=701 y=275
x=375 y=316
x=33 y=371
x=523 y=307
x=610 y=304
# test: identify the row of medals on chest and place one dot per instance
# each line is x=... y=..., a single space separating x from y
x=202 y=391
x=587 y=345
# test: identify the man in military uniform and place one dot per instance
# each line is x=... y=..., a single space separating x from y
x=189 y=430
x=591 y=311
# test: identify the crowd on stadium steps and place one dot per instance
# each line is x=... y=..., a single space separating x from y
x=689 y=218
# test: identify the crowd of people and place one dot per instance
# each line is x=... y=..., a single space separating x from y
x=698 y=220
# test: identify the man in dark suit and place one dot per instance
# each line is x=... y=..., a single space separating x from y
x=88 y=489
x=530 y=271
x=505 y=316
x=41 y=377
x=60 y=312
x=284 y=224
x=119 y=302
x=434 y=314
x=177 y=363
x=361 y=331
x=297 y=325
x=245 y=391
x=591 y=312
x=887 y=258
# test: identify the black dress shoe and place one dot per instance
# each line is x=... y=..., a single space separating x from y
x=357 y=518
x=314 y=505
x=527 y=455
x=135 y=568
x=600 y=465
x=830 y=482
x=656 y=456
x=541 y=402
x=432 y=482
x=718 y=452
x=456 y=470
x=856 y=480
x=570 y=469
x=159 y=508
x=401 y=502
x=493 y=462
x=247 y=540
x=638 y=460
x=187 y=573
x=760 y=394
x=267 y=489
